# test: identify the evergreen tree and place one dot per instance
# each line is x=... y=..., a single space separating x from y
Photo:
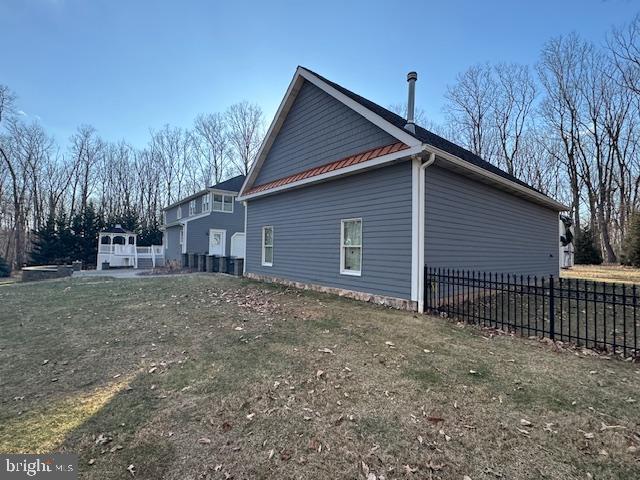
x=5 y=269
x=587 y=251
x=86 y=226
x=65 y=246
x=631 y=253
x=45 y=245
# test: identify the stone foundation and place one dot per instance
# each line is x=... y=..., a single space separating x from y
x=399 y=303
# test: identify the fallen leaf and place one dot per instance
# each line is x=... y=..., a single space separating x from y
x=45 y=362
x=153 y=369
x=92 y=461
x=588 y=435
x=132 y=470
x=271 y=453
x=204 y=441
x=409 y=469
x=525 y=423
x=325 y=350
x=390 y=344
x=250 y=416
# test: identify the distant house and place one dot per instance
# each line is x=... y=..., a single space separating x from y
x=209 y=222
x=348 y=197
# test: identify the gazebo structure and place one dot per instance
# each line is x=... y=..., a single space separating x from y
x=117 y=247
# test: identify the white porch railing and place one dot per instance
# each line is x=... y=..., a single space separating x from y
x=117 y=249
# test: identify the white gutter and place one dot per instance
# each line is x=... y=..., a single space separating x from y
x=422 y=187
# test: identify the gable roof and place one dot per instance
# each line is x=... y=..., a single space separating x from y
x=394 y=124
x=423 y=134
x=231 y=185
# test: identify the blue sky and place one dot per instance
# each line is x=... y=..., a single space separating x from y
x=128 y=66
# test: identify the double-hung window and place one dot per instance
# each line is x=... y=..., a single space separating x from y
x=351 y=246
x=206 y=203
x=179 y=212
x=267 y=246
x=192 y=207
x=181 y=236
x=222 y=203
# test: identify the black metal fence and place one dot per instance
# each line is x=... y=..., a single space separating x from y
x=598 y=315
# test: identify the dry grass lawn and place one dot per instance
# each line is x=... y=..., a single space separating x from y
x=209 y=377
x=603 y=273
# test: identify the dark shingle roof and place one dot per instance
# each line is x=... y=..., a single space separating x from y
x=232 y=185
x=423 y=134
x=116 y=229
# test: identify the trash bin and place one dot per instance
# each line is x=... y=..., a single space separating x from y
x=235 y=267
x=211 y=259
x=105 y=265
x=202 y=263
x=77 y=265
x=193 y=261
x=224 y=264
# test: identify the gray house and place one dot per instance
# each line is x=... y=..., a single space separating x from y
x=210 y=222
x=346 y=196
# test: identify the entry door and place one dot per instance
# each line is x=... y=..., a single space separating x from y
x=217 y=240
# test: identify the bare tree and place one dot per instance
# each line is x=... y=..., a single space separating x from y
x=212 y=143
x=245 y=124
x=471 y=101
x=512 y=108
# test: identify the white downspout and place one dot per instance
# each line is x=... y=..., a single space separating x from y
x=244 y=264
x=421 y=213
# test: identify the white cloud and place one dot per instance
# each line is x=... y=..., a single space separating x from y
x=22 y=112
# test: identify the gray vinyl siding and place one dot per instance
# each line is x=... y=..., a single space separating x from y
x=318 y=129
x=306 y=225
x=198 y=230
x=173 y=249
x=470 y=225
x=171 y=215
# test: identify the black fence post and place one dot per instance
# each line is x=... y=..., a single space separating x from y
x=552 y=310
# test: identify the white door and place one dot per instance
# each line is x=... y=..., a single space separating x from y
x=217 y=240
x=237 y=245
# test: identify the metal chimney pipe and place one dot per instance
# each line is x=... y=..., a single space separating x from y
x=411 y=102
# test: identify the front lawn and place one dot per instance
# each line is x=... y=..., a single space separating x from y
x=210 y=377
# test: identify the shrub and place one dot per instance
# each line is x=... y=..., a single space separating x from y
x=587 y=251
x=5 y=269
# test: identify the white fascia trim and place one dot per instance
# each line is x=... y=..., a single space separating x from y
x=532 y=194
x=400 y=133
x=289 y=97
x=274 y=128
x=390 y=157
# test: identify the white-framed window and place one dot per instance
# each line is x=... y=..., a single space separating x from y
x=192 y=207
x=267 y=246
x=351 y=246
x=222 y=203
x=206 y=203
x=179 y=212
x=181 y=236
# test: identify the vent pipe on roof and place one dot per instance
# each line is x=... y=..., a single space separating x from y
x=411 y=102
